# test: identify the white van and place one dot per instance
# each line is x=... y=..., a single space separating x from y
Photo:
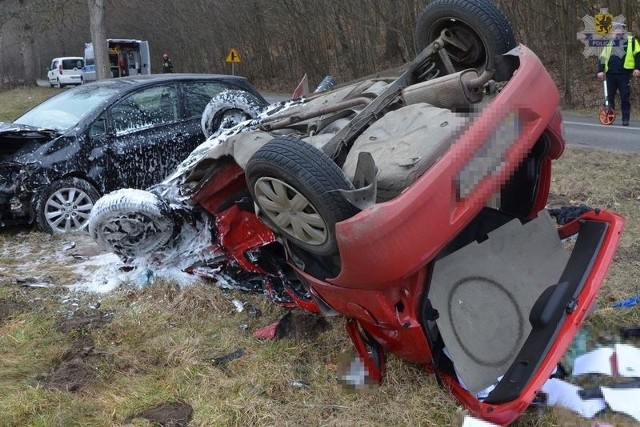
x=65 y=71
x=127 y=57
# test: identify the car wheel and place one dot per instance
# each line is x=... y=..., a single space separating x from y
x=227 y=109
x=60 y=85
x=131 y=223
x=64 y=206
x=293 y=184
x=478 y=23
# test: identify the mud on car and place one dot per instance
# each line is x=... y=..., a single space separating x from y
x=412 y=202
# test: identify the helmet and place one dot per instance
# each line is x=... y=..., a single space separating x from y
x=165 y=56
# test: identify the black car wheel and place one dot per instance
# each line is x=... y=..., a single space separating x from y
x=478 y=23
x=293 y=184
x=131 y=223
x=64 y=205
x=227 y=109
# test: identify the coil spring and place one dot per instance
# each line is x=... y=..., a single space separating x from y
x=427 y=71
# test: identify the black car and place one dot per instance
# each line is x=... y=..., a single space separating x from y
x=57 y=159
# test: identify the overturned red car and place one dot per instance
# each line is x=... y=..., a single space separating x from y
x=411 y=202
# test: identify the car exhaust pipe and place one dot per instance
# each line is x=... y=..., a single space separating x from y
x=453 y=91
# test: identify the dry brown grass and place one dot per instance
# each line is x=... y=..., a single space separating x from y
x=17 y=101
x=160 y=341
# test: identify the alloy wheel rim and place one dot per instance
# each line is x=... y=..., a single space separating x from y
x=67 y=210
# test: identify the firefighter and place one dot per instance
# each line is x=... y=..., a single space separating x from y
x=619 y=69
x=167 y=65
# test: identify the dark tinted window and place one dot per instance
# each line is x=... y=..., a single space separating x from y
x=198 y=95
x=70 y=64
x=145 y=109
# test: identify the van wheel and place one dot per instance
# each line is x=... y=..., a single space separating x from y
x=60 y=85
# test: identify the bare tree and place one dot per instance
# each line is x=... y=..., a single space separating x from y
x=99 y=37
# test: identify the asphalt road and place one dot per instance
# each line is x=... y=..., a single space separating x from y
x=579 y=131
x=582 y=131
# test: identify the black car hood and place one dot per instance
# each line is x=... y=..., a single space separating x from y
x=26 y=131
x=17 y=139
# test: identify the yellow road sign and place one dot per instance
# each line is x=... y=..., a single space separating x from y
x=233 y=56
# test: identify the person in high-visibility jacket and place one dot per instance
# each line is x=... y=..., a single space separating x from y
x=618 y=69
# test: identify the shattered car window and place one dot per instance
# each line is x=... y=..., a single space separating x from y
x=146 y=108
x=198 y=95
x=65 y=111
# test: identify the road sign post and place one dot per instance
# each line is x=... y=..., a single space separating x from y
x=233 y=58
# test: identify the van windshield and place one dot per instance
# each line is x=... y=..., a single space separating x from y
x=65 y=110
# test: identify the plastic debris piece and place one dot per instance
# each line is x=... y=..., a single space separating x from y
x=300 y=384
x=597 y=361
x=561 y=393
x=470 y=421
x=267 y=332
x=628 y=360
x=623 y=400
x=255 y=312
x=627 y=303
x=223 y=360
x=238 y=304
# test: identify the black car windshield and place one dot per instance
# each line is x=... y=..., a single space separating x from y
x=65 y=110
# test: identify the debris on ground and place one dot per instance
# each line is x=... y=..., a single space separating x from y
x=221 y=361
x=239 y=305
x=301 y=326
x=627 y=302
x=300 y=384
x=605 y=365
x=296 y=325
x=470 y=421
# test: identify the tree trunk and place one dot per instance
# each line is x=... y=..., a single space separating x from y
x=99 y=37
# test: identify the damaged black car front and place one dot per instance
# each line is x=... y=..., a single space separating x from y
x=45 y=172
x=57 y=159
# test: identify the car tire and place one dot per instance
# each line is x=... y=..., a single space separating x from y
x=65 y=205
x=60 y=85
x=131 y=223
x=227 y=109
x=293 y=184
x=478 y=21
